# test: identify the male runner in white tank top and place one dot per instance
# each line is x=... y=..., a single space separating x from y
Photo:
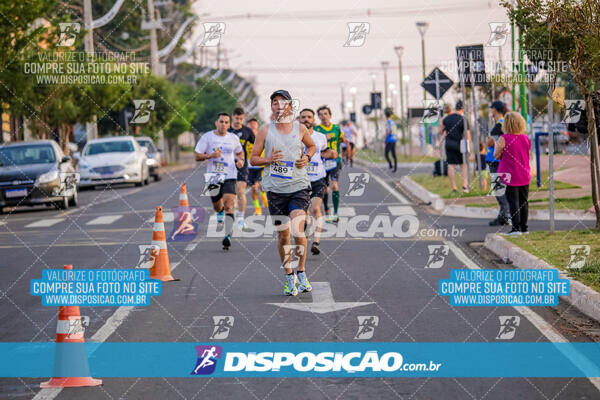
x=286 y=182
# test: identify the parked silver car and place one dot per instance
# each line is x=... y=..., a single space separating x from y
x=36 y=172
x=154 y=157
x=113 y=160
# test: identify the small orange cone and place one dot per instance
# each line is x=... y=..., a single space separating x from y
x=161 y=269
x=183 y=197
x=71 y=354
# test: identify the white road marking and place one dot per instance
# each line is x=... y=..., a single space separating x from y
x=44 y=223
x=393 y=192
x=167 y=217
x=541 y=324
x=322 y=301
x=109 y=327
x=105 y=220
x=191 y=246
x=346 y=212
x=401 y=210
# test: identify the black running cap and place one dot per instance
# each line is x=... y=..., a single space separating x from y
x=283 y=93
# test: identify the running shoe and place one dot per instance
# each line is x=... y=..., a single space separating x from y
x=226 y=242
x=336 y=218
x=241 y=223
x=258 y=211
x=290 y=285
x=315 y=249
x=303 y=283
x=513 y=232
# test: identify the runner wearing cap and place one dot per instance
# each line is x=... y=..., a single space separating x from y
x=224 y=153
x=334 y=136
x=316 y=174
x=287 y=184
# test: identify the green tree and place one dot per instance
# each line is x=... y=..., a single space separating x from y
x=571 y=30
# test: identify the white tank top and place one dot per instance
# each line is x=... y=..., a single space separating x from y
x=283 y=176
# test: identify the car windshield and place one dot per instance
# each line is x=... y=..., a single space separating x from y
x=22 y=155
x=118 y=146
x=148 y=144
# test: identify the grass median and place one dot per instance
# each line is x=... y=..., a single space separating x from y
x=554 y=249
x=375 y=157
x=441 y=185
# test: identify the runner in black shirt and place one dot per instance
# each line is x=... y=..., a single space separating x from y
x=246 y=137
x=452 y=133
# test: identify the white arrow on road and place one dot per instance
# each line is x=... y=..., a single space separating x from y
x=323 y=301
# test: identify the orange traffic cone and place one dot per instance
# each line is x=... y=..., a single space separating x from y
x=161 y=269
x=73 y=354
x=183 y=197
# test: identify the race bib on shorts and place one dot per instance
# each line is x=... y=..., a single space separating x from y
x=219 y=167
x=311 y=168
x=330 y=163
x=282 y=169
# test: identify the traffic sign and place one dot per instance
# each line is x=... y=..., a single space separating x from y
x=376 y=100
x=367 y=109
x=437 y=83
x=467 y=56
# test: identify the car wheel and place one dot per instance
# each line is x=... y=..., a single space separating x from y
x=63 y=204
x=74 y=200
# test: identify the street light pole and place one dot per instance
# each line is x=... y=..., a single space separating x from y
x=399 y=50
x=385 y=65
x=91 y=128
x=406 y=78
x=373 y=78
x=422 y=28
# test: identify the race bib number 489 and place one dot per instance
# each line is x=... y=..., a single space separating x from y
x=282 y=169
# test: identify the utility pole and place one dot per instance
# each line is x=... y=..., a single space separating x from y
x=385 y=65
x=422 y=28
x=91 y=128
x=154 y=62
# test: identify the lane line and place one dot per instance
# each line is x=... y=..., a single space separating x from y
x=397 y=211
x=105 y=331
x=191 y=246
x=393 y=192
x=536 y=320
x=346 y=212
x=105 y=219
x=44 y=223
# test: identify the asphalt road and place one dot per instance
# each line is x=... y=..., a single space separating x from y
x=388 y=273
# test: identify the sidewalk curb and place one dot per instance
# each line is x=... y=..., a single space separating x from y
x=422 y=194
x=453 y=210
x=582 y=297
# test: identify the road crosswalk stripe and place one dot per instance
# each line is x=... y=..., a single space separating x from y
x=44 y=223
x=104 y=220
x=401 y=210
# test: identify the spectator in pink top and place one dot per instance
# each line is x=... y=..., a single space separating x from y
x=512 y=149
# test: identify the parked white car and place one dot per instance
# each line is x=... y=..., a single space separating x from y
x=113 y=160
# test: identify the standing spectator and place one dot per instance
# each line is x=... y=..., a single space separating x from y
x=452 y=133
x=498 y=110
x=390 y=139
x=512 y=149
